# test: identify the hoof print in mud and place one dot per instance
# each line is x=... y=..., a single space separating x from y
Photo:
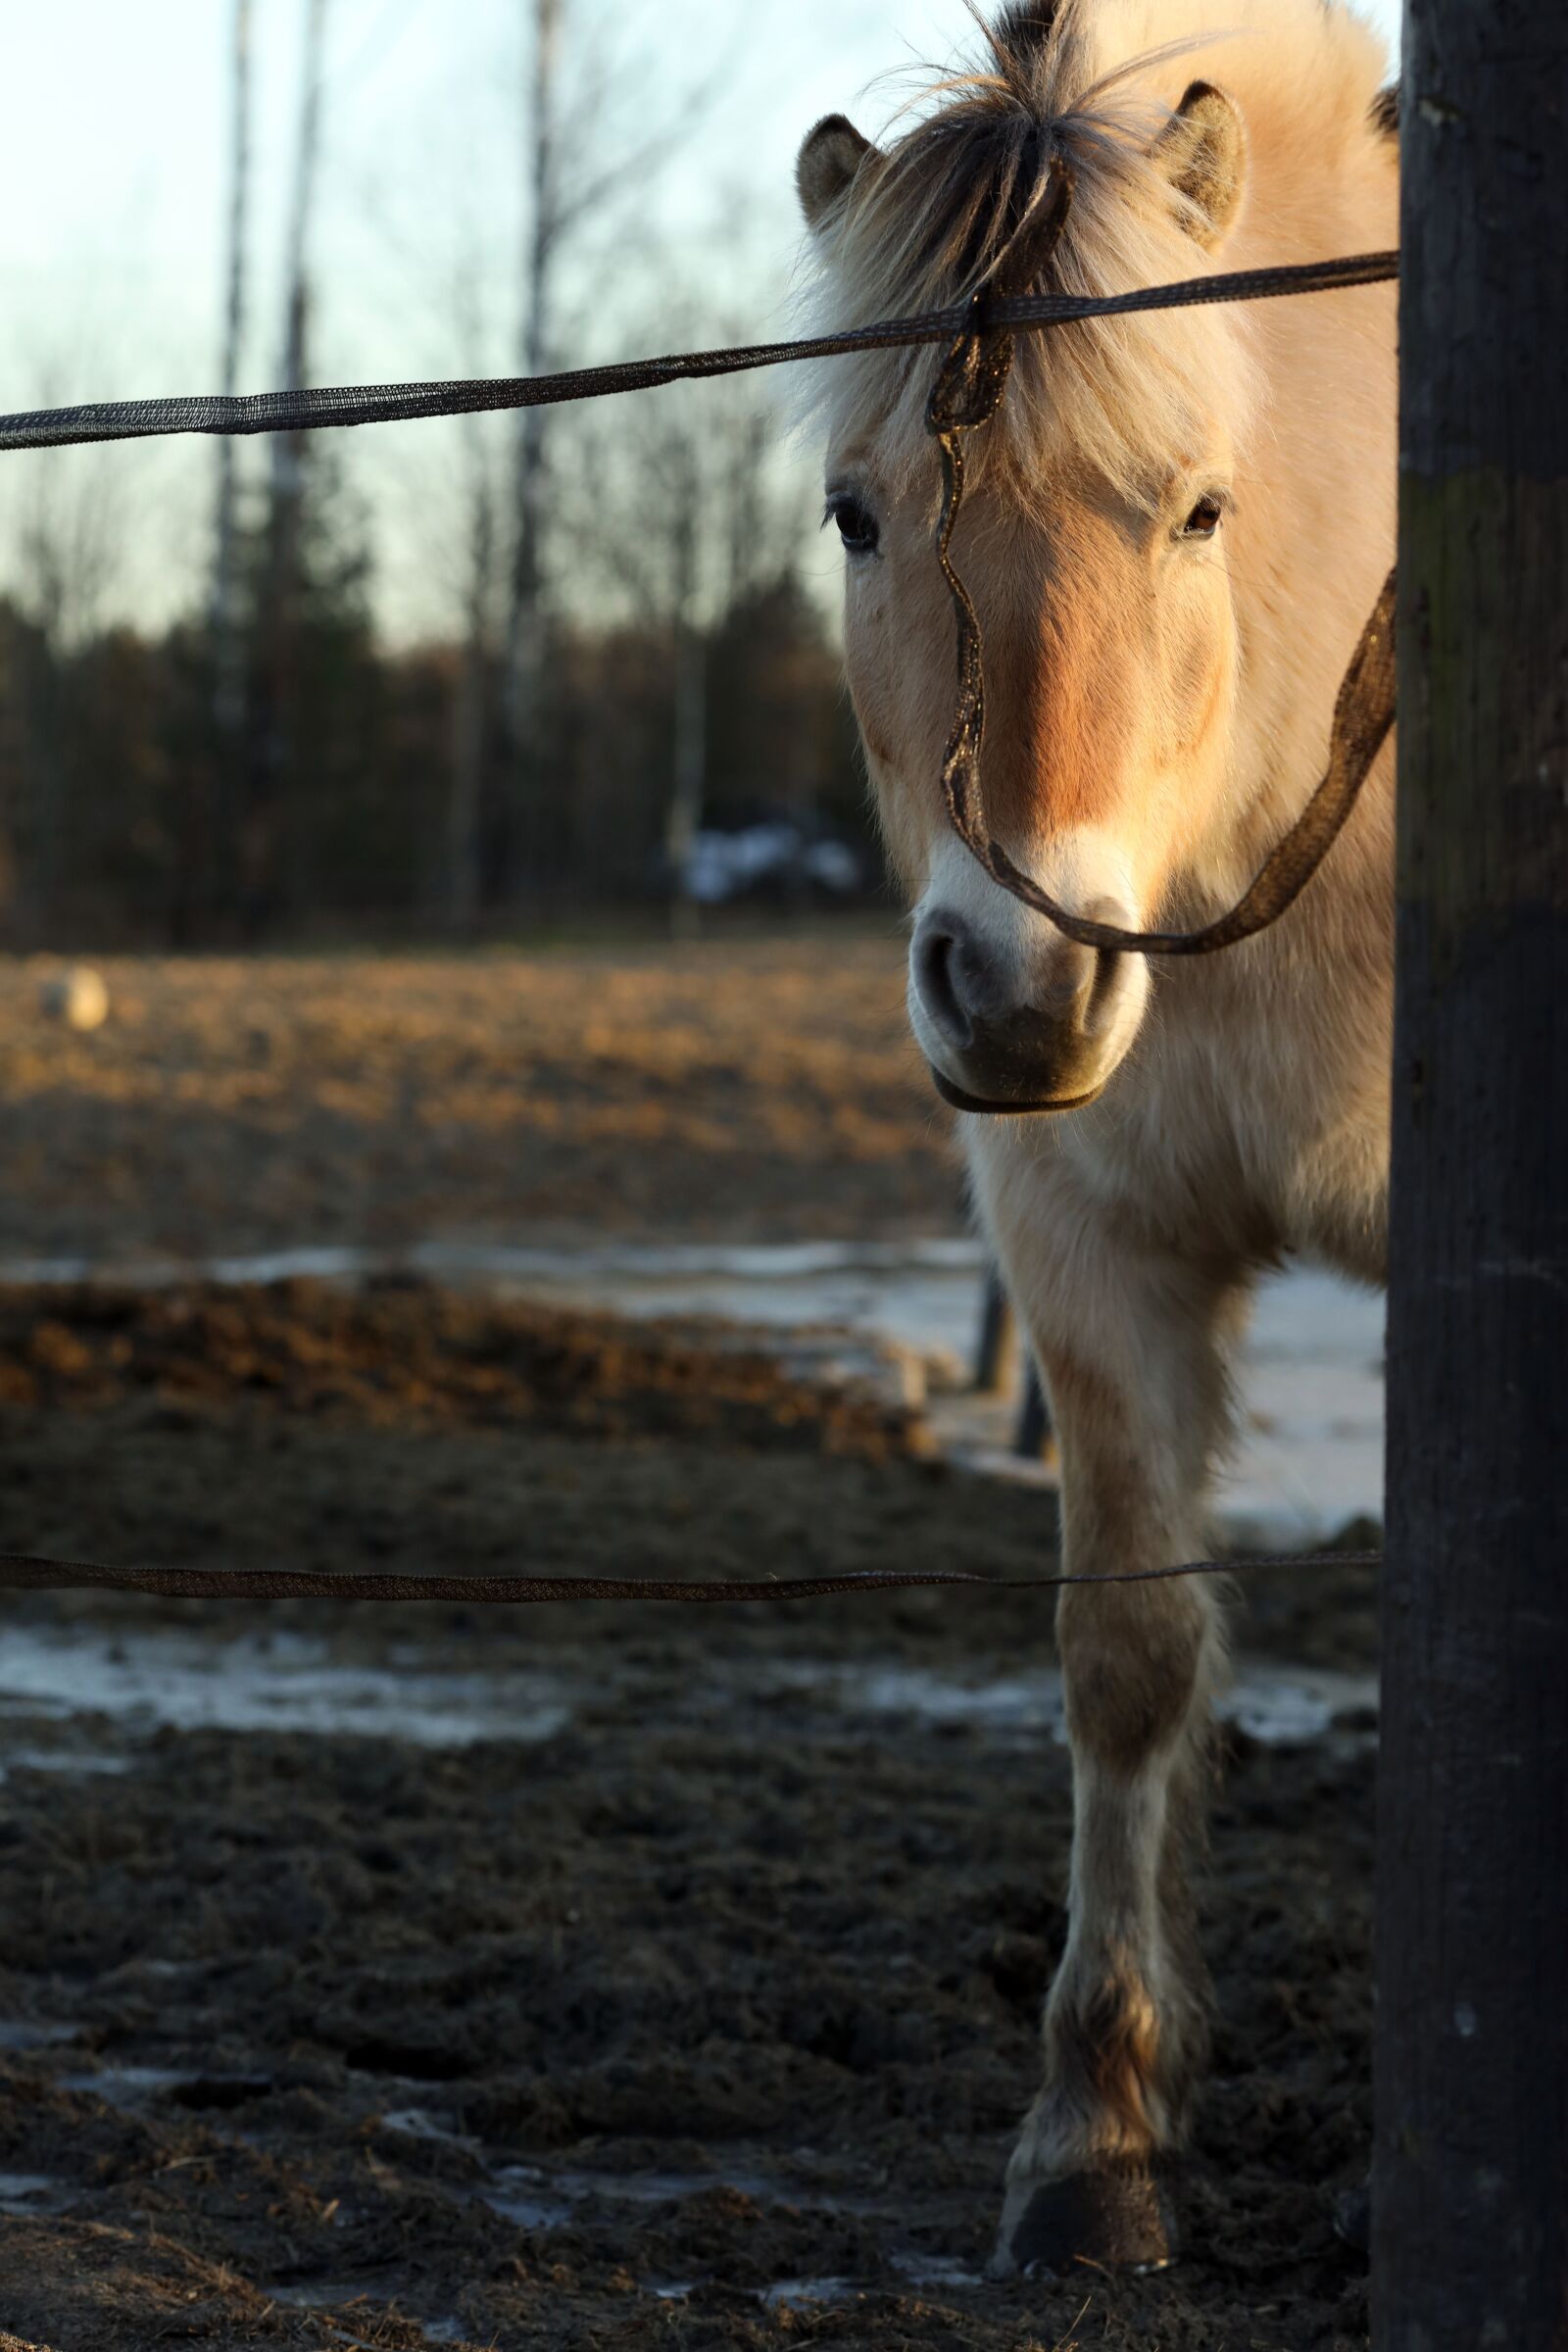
x=1117 y=2219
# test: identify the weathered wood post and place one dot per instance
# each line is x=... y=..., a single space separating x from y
x=996 y=1349
x=1034 y=1433
x=1470 y=2181
x=997 y=1363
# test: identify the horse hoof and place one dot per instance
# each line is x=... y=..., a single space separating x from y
x=1119 y=2219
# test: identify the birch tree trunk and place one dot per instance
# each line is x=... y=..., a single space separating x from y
x=522 y=690
x=473 y=702
x=227 y=650
x=1470 y=2183
x=277 y=621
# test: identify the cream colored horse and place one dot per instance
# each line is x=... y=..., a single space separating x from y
x=1177 y=528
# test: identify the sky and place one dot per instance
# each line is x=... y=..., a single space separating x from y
x=113 y=135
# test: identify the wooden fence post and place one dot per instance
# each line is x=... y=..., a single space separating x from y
x=997 y=1346
x=1470 y=2178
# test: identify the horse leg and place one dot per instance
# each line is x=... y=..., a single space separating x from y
x=1139 y=1392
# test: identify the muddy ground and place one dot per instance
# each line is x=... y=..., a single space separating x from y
x=563 y=1979
x=698 y=2012
x=733 y=1089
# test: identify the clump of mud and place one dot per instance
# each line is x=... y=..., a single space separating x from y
x=399 y=1350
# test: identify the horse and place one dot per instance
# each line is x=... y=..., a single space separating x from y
x=1175 y=528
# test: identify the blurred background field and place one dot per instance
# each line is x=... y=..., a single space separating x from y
x=427 y=679
x=736 y=1088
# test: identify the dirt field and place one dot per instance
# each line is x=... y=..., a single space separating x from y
x=561 y=1980
x=730 y=1090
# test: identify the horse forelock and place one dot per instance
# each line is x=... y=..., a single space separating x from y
x=1091 y=82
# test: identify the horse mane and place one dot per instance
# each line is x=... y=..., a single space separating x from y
x=927 y=216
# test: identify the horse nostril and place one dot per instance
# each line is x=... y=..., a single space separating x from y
x=936 y=956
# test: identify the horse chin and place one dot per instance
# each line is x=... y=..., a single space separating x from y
x=1042 y=1107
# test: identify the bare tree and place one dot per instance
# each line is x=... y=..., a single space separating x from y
x=227 y=651
x=525 y=617
x=688 y=517
x=572 y=184
x=481 y=554
x=496 y=533
x=278 y=619
x=287 y=471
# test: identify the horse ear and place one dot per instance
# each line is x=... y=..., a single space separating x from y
x=824 y=169
x=1202 y=153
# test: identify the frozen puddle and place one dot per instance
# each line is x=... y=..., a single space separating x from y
x=931 y=2272
x=17 y=2033
x=127 y=2086
x=1284 y=1708
x=539 y=2199
x=680 y=1271
x=286 y=1683
x=281 y=1683
x=786 y=2292
x=540 y=2196
x=26 y=2192
x=937 y=2271
x=368 y=2306
x=1279 y=1706
x=331 y=2294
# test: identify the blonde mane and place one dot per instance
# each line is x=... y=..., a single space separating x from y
x=1095 y=81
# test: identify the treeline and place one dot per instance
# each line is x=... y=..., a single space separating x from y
x=621 y=653
x=306 y=774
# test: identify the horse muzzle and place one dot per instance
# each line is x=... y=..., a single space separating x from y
x=1003 y=1041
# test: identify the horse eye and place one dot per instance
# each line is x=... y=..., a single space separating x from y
x=1204 y=520
x=858 y=525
